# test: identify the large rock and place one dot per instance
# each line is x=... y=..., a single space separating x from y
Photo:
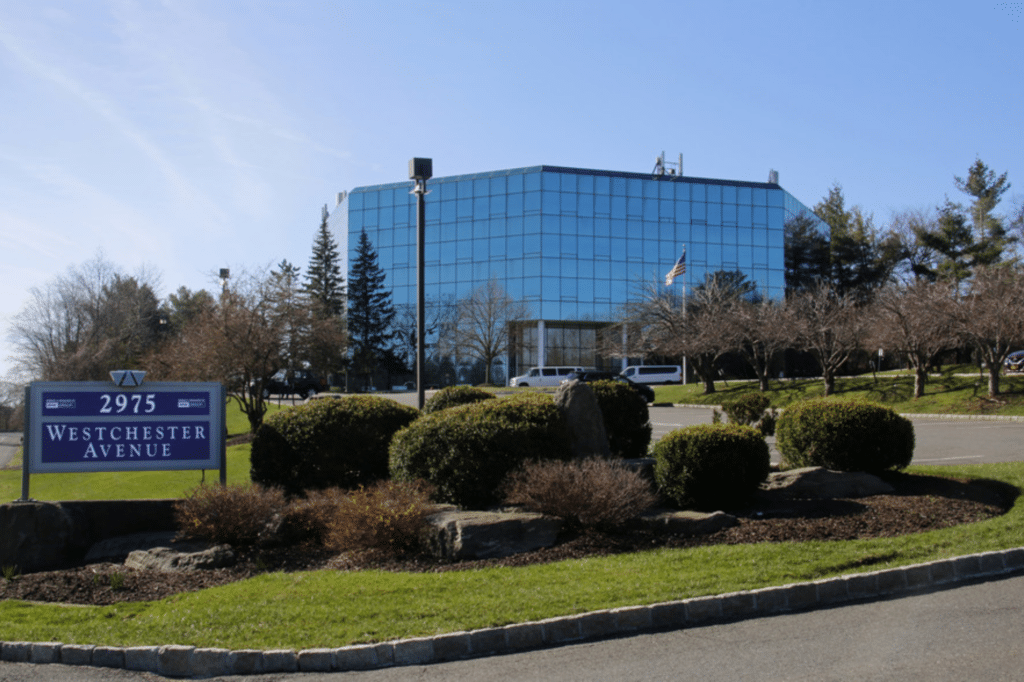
x=185 y=557
x=36 y=536
x=489 y=535
x=686 y=522
x=578 y=404
x=821 y=483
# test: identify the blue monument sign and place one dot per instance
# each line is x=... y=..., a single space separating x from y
x=124 y=425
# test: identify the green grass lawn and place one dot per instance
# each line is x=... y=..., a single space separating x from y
x=952 y=392
x=329 y=608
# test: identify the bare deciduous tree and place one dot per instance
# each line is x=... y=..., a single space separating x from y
x=990 y=317
x=830 y=326
x=759 y=331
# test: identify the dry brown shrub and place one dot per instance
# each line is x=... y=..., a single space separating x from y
x=308 y=520
x=234 y=514
x=388 y=516
x=587 y=493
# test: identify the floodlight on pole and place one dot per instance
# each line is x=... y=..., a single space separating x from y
x=420 y=170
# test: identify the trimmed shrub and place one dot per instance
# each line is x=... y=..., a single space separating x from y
x=711 y=466
x=587 y=493
x=331 y=442
x=307 y=520
x=747 y=409
x=466 y=452
x=235 y=515
x=389 y=516
x=626 y=418
x=453 y=396
x=845 y=436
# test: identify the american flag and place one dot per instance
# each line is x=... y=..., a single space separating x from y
x=678 y=269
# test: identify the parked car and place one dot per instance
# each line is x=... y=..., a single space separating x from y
x=586 y=376
x=543 y=376
x=654 y=374
x=1015 y=361
x=301 y=382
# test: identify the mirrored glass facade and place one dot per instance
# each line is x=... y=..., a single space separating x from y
x=571 y=243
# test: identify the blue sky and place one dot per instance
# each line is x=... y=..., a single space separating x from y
x=189 y=135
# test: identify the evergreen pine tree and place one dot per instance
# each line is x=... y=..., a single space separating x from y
x=324 y=284
x=370 y=311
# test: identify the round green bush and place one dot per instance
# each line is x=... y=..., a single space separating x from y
x=746 y=409
x=845 y=436
x=331 y=442
x=453 y=396
x=711 y=466
x=626 y=418
x=466 y=452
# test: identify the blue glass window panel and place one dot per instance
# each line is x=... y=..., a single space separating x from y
x=699 y=211
x=602 y=204
x=776 y=198
x=651 y=252
x=635 y=249
x=464 y=230
x=714 y=259
x=728 y=235
x=634 y=187
x=776 y=280
x=728 y=194
x=531 y=202
x=714 y=214
x=481 y=187
x=515 y=183
x=730 y=256
x=551 y=244
x=387 y=238
x=666 y=190
x=464 y=208
x=513 y=225
x=568 y=246
x=667 y=232
x=465 y=189
x=618 y=187
x=481 y=249
x=697 y=253
x=744 y=216
x=550 y=310
x=760 y=215
x=585 y=269
x=551 y=182
x=448 y=273
x=714 y=193
x=355 y=221
x=550 y=268
x=531 y=181
x=618 y=207
x=447 y=290
x=514 y=287
x=743 y=195
x=568 y=182
x=552 y=203
x=481 y=208
x=386 y=256
x=371 y=199
x=405 y=215
x=650 y=231
x=585 y=184
x=602 y=227
x=729 y=214
x=602 y=289
x=585 y=227
x=744 y=235
x=567 y=267
x=386 y=217
x=370 y=217
x=634 y=207
x=668 y=252
x=759 y=237
x=568 y=288
x=531 y=224
x=698 y=192
x=650 y=209
x=699 y=233
x=448 y=212
x=683 y=211
x=776 y=238
x=603 y=185
x=513 y=246
x=498 y=204
x=585 y=204
x=746 y=260
x=498 y=185
x=446 y=191
x=618 y=271
x=531 y=267
x=484 y=270
x=776 y=218
x=760 y=196
x=497 y=227
x=620 y=289
x=682 y=191
x=568 y=202
x=432 y=252
x=355 y=201
x=464 y=250
x=602 y=247
x=666 y=210
x=618 y=247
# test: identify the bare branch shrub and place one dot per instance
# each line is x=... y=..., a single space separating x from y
x=308 y=520
x=234 y=514
x=388 y=516
x=588 y=493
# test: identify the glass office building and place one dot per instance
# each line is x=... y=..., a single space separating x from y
x=573 y=244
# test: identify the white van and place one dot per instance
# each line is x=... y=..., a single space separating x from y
x=543 y=376
x=654 y=374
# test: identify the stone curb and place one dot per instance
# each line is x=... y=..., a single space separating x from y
x=189 y=661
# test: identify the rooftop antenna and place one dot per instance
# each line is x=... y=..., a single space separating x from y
x=662 y=167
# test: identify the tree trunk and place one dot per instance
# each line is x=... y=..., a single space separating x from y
x=920 y=377
x=830 y=381
x=993 y=379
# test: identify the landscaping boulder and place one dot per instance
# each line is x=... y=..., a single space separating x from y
x=821 y=483
x=578 y=404
x=685 y=522
x=488 y=535
x=184 y=557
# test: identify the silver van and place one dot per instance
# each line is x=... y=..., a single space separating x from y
x=654 y=374
x=543 y=376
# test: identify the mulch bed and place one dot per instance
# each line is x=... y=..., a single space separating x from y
x=920 y=503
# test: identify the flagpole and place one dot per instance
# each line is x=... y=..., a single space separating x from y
x=686 y=276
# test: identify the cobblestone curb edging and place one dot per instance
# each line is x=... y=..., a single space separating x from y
x=189 y=661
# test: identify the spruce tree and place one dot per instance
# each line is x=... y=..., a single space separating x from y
x=370 y=311
x=324 y=284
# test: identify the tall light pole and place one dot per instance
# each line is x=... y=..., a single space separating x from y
x=420 y=170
